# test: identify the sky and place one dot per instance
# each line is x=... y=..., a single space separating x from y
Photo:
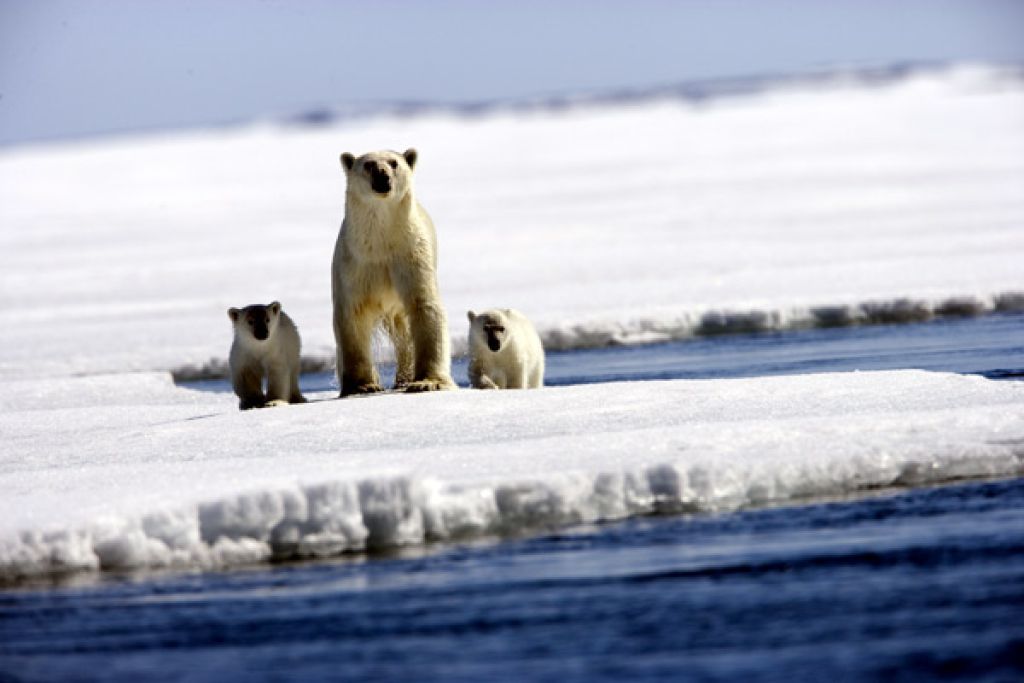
x=70 y=68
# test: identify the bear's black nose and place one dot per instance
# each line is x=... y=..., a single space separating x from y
x=381 y=183
x=493 y=343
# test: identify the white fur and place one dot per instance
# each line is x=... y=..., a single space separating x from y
x=384 y=272
x=275 y=359
x=517 y=364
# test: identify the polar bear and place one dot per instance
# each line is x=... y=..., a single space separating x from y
x=504 y=351
x=384 y=273
x=266 y=345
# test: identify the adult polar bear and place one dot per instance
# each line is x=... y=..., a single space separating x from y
x=385 y=272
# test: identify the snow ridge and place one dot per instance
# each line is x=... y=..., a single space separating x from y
x=693 y=92
x=338 y=517
x=715 y=322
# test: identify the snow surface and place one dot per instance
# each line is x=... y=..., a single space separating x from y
x=616 y=223
x=154 y=475
x=635 y=222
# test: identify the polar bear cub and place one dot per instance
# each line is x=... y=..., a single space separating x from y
x=266 y=345
x=504 y=351
x=384 y=274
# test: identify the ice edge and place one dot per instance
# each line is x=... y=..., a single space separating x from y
x=356 y=516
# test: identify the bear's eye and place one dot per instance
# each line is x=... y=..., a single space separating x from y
x=267 y=321
x=368 y=167
x=393 y=163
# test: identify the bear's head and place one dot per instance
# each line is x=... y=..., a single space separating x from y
x=488 y=328
x=382 y=175
x=256 y=322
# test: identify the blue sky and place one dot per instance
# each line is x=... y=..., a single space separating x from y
x=70 y=68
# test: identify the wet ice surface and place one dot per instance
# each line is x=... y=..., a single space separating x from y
x=915 y=585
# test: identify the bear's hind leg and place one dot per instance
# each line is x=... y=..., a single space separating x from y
x=397 y=326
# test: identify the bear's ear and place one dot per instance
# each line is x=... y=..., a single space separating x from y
x=233 y=313
x=275 y=307
x=471 y=315
x=347 y=161
x=410 y=157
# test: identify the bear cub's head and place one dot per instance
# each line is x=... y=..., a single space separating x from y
x=383 y=174
x=256 y=322
x=488 y=327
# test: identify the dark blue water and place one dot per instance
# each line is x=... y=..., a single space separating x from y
x=923 y=584
x=991 y=346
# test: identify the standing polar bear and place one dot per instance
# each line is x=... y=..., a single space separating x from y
x=504 y=351
x=384 y=272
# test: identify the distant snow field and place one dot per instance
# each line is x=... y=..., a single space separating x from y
x=619 y=223
x=644 y=221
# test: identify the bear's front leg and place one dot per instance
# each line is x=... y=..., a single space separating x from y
x=429 y=327
x=250 y=402
x=432 y=367
x=277 y=384
x=485 y=382
x=357 y=374
x=520 y=379
x=283 y=385
x=478 y=379
x=248 y=385
x=294 y=393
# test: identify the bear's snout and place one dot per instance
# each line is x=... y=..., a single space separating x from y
x=380 y=182
x=493 y=343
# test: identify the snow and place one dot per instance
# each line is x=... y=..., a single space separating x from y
x=618 y=223
x=615 y=222
x=156 y=475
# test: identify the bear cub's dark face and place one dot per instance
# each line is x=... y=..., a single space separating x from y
x=258 y=320
x=495 y=336
x=492 y=327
